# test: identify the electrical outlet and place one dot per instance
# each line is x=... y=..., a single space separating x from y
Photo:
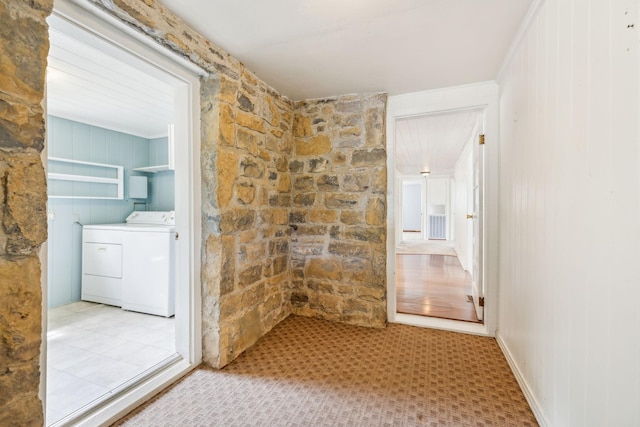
x=50 y=216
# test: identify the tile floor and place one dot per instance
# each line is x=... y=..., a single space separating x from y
x=95 y=348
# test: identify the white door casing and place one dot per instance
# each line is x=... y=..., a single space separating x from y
x=183 y=76
x=481 y=96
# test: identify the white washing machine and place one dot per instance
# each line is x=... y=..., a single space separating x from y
x=131 y=265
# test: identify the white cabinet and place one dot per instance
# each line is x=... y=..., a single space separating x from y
x=161 y=156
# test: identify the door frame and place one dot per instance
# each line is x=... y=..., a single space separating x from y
x=481 y=95
x=184 y=76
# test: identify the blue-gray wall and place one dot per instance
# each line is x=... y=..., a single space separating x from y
x=78 y=141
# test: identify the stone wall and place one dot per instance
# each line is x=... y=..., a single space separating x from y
x=246 y=144
x=23 y=50
x=339 y=213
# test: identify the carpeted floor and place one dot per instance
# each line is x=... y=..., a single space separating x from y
x=310 y=372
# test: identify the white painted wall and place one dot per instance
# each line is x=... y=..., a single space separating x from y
x=411 y=206
x=569 y=315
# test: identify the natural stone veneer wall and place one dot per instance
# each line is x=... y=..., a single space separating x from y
x=339 y=212
x=23 y=50
x=256 y=187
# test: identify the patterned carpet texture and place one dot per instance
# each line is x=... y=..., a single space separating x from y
x=310 y=372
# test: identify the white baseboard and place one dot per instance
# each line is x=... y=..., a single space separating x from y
x=524 y=386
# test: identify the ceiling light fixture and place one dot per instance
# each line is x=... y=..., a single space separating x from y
x=425 y=173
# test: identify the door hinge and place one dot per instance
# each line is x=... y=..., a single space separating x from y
x=481 y=139
x=177 y=235
x=481 y=301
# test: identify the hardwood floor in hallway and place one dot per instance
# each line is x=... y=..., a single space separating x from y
x=433 y=285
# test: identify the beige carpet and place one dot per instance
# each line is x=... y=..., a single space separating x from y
x=424 y=247
x=309 y=372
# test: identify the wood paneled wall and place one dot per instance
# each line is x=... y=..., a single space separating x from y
x=570 y=212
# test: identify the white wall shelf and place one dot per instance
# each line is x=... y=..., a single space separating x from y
x=153 y=169
x=118 y=181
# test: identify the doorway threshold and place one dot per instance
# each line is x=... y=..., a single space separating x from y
x=443 y=324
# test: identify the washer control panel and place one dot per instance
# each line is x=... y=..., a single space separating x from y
x=152 y=217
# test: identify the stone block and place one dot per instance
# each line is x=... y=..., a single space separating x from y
x=251 y=169
x=341 y=201
x=282 y=164
x=20 y=312
x=314 y=146
x=327 y=303
x=245 y=103
x=351 y=217
x=237 y=219
x=21 y=126
x=296 y=166
x=350 y=249
x=250 y=275
x=276 y=216
x=248 y=236
x=326 y=216
x=280 y=264
x=356 y=183
x=374 y=127
x=311 y=230
x=371 y=294
x=350 y=131
x=228 y=265
x=365 y=234
x=317 y=165
x=305 y=199
x=227 y=125
x=230 y=304
x=253 y=252
x=250 y=121
x=246 y=192
x=280 y=200
x=327 y=183
x=379 y=181
x=249 y=331
x=247 y=140
x=280 y=247
x=373 y=157
x=376 y=211
x=284 y=183
x=252 y=296
x=297 y=216
x=301 y=126
x=323 y=268
x=339 y=158
x=23 y=189
x=304 y=183
x=227 y=168
x=24 y=45
x=299 y=298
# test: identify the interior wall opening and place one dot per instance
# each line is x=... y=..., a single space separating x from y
x=435 y=157
x=120 y=290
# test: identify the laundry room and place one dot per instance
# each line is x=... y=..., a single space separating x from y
x=111 y=222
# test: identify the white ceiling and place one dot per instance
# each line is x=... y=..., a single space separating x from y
x=90 y=83
x=434 y=142
x=318 y=48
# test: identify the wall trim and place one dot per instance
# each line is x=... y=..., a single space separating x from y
x=536 y=408
x=522 y=31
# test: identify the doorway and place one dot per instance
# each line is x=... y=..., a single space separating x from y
x=431 y=280
x=477 y=105
x=99 y=359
